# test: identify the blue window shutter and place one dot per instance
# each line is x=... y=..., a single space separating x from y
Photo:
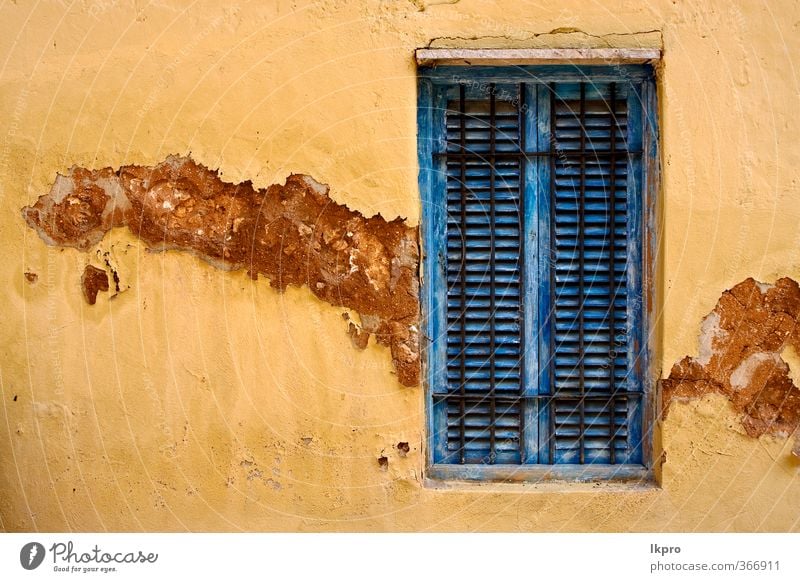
x=533 y=240
x=484 y=353
x=590 y=319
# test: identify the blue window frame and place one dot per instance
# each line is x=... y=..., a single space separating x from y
x=537 y=186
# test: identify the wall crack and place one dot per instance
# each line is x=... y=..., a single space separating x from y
x=607 y=40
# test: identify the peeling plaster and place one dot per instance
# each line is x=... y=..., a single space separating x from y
x=710 y=332
x=293 y=234
x=740 y=357
x=792 y=359
x=93 y=281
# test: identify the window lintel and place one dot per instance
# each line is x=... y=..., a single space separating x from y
x=537 y=56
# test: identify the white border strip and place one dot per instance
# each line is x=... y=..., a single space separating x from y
x=653 y=557
x=584 y=56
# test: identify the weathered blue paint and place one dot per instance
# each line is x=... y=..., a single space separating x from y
x=541 y=200
x=635 y=271
x=651 y=185
x=531 y=278
x=431 y=138
x=629 y=474
x=635 y=84
x=454 y=74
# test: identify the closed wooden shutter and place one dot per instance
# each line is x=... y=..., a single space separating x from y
x=483 y=279
x=536 y=285
x=589 y=247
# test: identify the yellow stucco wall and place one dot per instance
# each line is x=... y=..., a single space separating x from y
x=198 y=399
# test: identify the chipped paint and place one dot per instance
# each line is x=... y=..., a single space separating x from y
x=292 y=234
x=741 y=347
x=93 y=281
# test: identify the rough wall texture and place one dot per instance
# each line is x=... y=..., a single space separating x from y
x=198 y=399
x=740 y=357
x=292 y=234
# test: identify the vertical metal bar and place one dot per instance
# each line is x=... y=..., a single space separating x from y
x=581 y=265
x=521 y=262
x=492 y=282
x=612 y=421
x=551 y=429
x=463 y=274
x=612 y=288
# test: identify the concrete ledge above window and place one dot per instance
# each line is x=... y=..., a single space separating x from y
x=537 y=56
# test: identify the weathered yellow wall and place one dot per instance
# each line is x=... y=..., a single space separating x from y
x=198 y=399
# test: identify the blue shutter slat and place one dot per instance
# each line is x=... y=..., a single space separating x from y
x=590 y=304
x=477 y=434
x=595 y=433
x=483 y=290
